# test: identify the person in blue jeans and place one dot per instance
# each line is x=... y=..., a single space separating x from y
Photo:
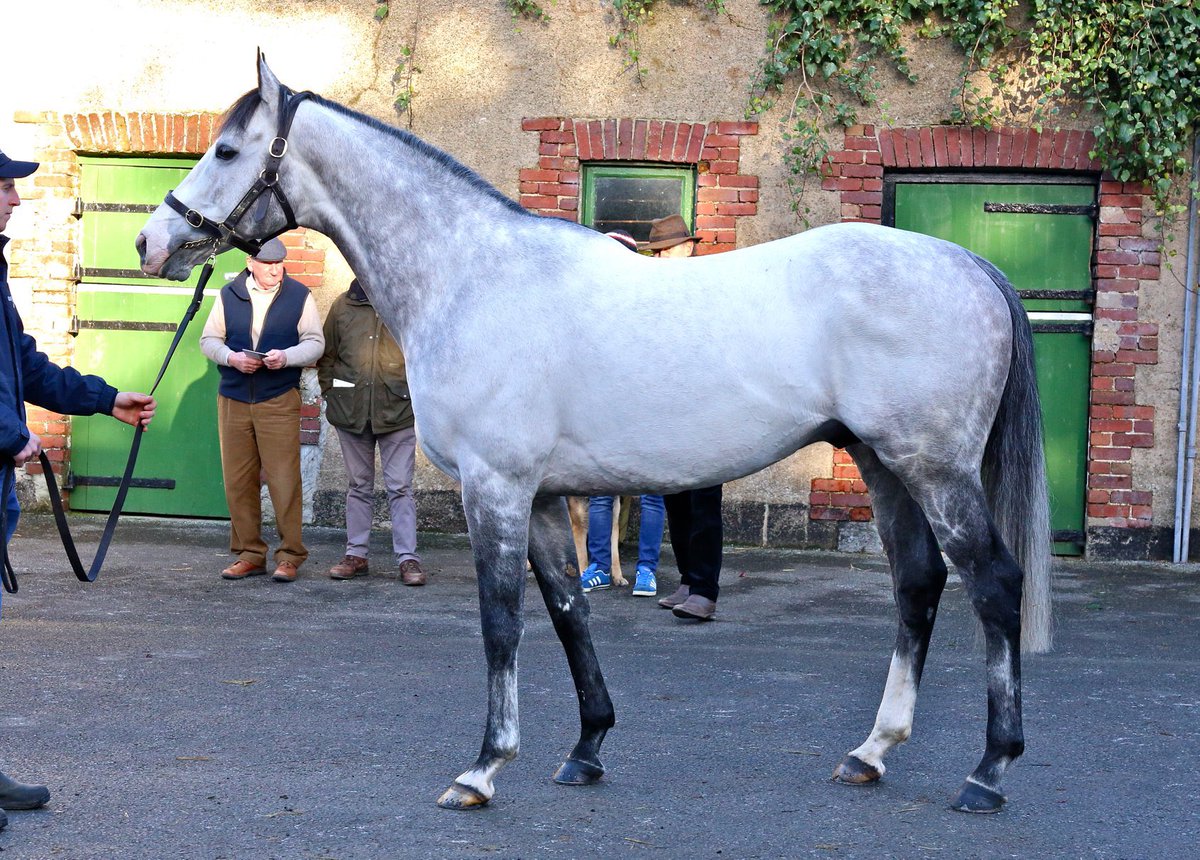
x=598 y=573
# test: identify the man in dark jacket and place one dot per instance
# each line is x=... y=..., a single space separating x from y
x=28 y=375
x=366 y=400
x=263 y=330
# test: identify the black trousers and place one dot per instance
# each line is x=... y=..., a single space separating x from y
x=694 y=518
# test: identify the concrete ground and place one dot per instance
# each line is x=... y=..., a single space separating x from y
x=176 y=715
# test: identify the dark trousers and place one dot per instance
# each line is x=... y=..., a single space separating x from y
x=694 y=518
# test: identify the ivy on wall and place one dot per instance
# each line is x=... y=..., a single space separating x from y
x=528 y=9
x=631 y=15
x=1135 y=62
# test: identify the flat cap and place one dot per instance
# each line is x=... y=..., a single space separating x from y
x=272 y=251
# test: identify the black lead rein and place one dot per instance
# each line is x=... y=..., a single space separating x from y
x=60 y=516
x=225 y=232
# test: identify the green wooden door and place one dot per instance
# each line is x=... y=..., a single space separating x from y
x=125 y=321
x=1040 y=235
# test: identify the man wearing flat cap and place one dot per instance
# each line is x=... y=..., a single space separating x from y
x=28 y=375
x=263 y=330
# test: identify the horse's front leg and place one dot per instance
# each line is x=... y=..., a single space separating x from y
x=550 y=553
x=498 y=523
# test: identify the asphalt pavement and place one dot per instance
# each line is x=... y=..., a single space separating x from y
x=177 y=715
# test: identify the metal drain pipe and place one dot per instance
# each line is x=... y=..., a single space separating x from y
x=1185 y=467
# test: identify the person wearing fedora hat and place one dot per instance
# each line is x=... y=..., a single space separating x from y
x=27 y=375
x=263 y=330
x=670 y=237
x=693 y=516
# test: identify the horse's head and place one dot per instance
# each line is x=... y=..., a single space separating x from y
x=214 y=207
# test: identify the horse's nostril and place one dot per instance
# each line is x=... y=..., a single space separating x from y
x=140 y=244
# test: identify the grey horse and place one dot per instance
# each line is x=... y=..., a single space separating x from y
x=544 y=359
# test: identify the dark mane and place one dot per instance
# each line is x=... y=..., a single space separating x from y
x=240 y=112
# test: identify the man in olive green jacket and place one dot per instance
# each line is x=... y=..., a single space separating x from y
x=366 y=399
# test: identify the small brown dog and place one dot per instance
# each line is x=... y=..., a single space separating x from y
x=577 y=507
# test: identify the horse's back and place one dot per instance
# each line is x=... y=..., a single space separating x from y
x=665 y=374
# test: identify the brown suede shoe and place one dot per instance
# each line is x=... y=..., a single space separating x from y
x=285 y=572
x=672 y=600
x=241 y=569
x=696 y=607
x=411 y=573
x=349 y=567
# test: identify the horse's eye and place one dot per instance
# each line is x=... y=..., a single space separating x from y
x=225 y=152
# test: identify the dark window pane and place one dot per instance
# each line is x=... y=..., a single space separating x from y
x=632 y=202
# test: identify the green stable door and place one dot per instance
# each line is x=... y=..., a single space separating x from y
x=1040 y=235
x=124 y=322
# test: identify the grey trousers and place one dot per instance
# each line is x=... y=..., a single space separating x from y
x=397 y=454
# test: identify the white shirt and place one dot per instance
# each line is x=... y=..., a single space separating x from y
x=304 y=353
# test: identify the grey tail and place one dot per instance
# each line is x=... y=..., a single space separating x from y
x=1014 y=475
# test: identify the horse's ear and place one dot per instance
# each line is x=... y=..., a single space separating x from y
x=268 y=84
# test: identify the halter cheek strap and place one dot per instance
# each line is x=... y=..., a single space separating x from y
x=226 y=231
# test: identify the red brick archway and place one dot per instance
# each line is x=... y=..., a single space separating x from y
x=724 y=195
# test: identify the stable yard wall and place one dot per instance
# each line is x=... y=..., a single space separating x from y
x=524 y=104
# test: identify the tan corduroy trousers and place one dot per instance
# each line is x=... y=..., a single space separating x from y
x=262 y=438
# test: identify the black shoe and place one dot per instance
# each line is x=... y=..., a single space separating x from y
x=18 y=795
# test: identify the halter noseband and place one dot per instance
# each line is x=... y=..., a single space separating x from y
x=268 y=181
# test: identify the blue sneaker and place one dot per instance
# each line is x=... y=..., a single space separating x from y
x=645 y=585
x=593 y=578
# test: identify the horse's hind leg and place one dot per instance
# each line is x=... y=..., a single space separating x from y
x=958 y=512
x=918 y=578
x=498 y=521
x=549 y=549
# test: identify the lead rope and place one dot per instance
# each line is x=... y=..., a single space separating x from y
x=60 y=517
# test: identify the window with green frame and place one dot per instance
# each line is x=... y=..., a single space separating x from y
x=630 y=196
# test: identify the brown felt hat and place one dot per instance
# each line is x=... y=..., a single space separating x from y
x=666 y=233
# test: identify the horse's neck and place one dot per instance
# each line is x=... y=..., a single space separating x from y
x=412 y=231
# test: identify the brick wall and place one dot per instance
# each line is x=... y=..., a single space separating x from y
x=1125 y=262
x=723 y=195
x=44 y=264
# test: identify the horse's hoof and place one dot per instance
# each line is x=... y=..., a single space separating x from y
x=576 y=772
x=459 y=796
x=973 y=797
x=855 y=771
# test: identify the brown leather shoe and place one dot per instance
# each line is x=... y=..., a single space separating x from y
x=672 y=600
x=349 y=567
x=241 y=569
x=411 y=573
x=697 y=608
x=285 y=572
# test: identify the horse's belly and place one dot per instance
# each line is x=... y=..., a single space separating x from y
x=662 y=462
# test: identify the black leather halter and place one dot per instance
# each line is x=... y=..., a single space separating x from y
x=226 y=231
